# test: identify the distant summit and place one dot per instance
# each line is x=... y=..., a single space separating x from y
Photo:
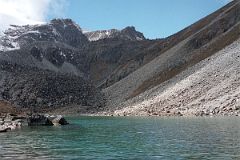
x=128 y=33
x=63 y=31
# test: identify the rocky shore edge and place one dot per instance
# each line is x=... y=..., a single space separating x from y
x=9 y=122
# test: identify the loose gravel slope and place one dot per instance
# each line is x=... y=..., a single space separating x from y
x=211 y=87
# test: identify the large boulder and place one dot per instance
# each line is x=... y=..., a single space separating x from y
x=38 y=120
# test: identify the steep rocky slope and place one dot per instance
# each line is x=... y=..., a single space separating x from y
x=219 y=30
x=160 y=46
x=5 y=107
x=108 y=55
x=34 y=88
x=208 y=88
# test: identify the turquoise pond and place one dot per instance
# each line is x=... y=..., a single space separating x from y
x=126 y=138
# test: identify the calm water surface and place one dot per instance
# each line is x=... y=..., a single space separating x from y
x=126 y=138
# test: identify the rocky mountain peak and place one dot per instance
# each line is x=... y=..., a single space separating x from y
x=131 y=33
x=57 y=30
x=65 y=23
x=128 y=33
x=70 y=32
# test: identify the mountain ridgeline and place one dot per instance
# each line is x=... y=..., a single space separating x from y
x=57 y=64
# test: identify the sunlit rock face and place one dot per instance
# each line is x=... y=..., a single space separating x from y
x=128 y=33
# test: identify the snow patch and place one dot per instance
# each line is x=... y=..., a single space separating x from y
x=139 y=38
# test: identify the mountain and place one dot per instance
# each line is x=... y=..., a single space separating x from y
x=50 y=46
x=191 y=45
x=42 y=66
x=58 y=52
x=57 y=65
x=58 y=30
x=61 y=46
x=128 y=33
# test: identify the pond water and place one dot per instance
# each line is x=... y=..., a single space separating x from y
x=126 y=138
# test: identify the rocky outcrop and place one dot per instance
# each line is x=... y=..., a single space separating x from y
x=10 y=122
x=46 y=120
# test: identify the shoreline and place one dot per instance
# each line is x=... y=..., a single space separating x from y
x=111 y=114
x=76 y=110
x=163 y=116
x=11 y=122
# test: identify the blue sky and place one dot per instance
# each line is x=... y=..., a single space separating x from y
x=155 y=18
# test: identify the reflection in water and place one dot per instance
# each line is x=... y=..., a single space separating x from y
x=127 y=138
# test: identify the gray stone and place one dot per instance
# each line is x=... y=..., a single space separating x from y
x=58 y=120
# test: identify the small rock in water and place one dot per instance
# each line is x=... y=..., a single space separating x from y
x=58 y=120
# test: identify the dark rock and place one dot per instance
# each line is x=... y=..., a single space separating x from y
x=46 y=120
x=4 y=129
x=38 y=120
